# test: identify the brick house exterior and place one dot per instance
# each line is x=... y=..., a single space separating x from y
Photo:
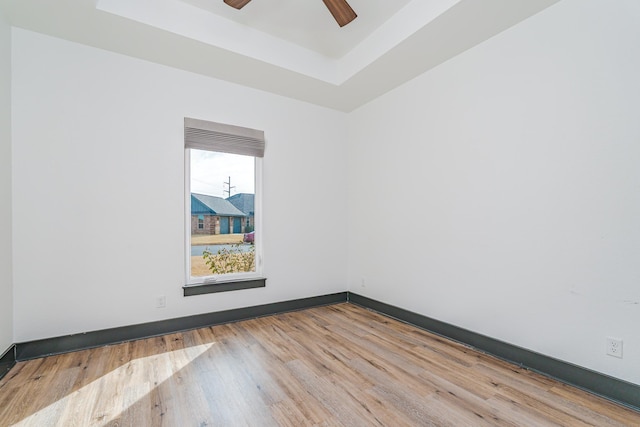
x=245 y=202
x=215 y=215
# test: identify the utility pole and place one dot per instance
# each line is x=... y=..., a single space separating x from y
x=228 y=184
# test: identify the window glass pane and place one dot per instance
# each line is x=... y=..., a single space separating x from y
x=222 y=213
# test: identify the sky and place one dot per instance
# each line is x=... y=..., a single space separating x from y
x=210 y=170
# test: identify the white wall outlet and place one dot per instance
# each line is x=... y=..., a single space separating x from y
x=161 y=301
x=614 y=347
x=363 y=283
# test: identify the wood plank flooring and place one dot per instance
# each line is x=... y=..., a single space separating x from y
x=339 y=365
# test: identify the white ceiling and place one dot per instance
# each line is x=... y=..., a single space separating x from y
x=308 y=23
x=289 y=47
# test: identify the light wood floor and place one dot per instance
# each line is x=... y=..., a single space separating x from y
x=339 y=365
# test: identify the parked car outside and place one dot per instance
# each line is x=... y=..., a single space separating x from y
x=249 y=237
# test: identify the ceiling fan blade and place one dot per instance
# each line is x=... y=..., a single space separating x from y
x=238 y=4
x=340 y=10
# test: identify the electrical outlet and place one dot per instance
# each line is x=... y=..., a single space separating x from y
x=363 y=283
x=161 y=301
x=614 y=347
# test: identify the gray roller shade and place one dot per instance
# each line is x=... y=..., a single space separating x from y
x=212 y=136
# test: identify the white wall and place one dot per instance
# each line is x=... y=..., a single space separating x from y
x=6 y=287
x=500 y=192
x=98 y=189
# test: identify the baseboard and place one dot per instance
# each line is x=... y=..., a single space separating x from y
x=622 y=392
x=58 y=345
x=7 y=360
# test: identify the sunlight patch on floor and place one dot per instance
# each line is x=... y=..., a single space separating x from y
x=116 y=391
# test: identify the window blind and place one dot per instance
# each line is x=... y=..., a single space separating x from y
x=212 y=136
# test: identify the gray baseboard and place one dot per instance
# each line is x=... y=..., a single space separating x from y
x=619 y=391
x=65 y=344
x=7 y=360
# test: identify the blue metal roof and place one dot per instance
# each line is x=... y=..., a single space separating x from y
x=212 y=205
x=244 y=202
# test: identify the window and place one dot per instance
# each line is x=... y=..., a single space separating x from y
x=223 y=166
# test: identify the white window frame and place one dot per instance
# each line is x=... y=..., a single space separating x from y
x=258 y=241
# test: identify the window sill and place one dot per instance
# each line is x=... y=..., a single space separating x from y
x=235 y=285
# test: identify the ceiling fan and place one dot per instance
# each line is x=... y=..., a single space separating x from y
x=340 y=9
